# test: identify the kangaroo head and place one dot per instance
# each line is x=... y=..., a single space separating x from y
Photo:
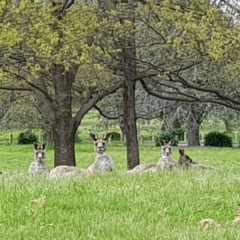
x=39 y=151
x=100 y=144
x=183 y=157
x=166 y=148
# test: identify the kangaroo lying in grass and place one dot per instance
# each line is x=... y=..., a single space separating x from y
x=165 y=161
x=102 y=163
x=186 y=162
x=38 y=166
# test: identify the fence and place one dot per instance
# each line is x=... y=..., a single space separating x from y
x=141 y=138
x=185 y=140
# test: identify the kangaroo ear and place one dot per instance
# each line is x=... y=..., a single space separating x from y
x=172 y=142
x=35 y=146
x=107 y=136
x=181 y=151
x=162 y=142
x=44 y=146
x=93 y=137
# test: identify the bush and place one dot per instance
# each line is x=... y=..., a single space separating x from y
x=217 y=139
x=27 y=137
x=116 y=136
x=166 y=137
x=179 y=134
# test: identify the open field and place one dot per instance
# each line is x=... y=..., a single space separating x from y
x=166 y=205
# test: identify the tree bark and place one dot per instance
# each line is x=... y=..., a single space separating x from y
x=64 y=142
x=64 y=127
x=193 y=136
x=129 y=85
x=130 y=123
x=228 y=125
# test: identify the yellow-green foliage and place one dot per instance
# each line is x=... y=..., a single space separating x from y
x=183 y=32
x=198 y=28
x=44 y=38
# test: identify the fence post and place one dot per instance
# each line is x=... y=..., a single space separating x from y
x=185 y=137
x=202 y=137
x=121 y=136
x=110 y=139
x=153 y=137
x=236 y=137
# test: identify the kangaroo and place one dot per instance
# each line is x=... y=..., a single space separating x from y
x=186 y=162
x=38 y=166
x=66 y=171
x=103 y=162
x=165 y=161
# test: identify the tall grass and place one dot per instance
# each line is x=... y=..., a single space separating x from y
x=166 y=205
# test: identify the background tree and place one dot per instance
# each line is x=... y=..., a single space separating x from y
x=44 y=53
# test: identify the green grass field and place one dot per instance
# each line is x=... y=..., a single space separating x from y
x=166 y=205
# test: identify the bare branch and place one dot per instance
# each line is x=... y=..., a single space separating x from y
x=105 y=116
x=93 y=99
x=171 y=98
x=192 y=86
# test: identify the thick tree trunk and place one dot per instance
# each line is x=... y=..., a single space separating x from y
x=129 y=112
x=129 y=85
x=64 y=142
x=65 y=126
x=130 y=124
x=193 y=136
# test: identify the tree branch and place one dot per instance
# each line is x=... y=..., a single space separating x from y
x=201 y=89
x=105 y=116
x=16 y=88
x=93 y=99
x=155 y=94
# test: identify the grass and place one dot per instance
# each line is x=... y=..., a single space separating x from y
x=166 y=205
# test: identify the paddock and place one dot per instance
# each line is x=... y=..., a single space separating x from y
x=162 y=205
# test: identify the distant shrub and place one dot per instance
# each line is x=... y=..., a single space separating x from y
x=166 y=137
x=217 y=139
x=116 y=136
x=179 y=134
x=27 y=137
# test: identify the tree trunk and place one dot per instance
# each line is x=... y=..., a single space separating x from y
x=129 y=85
x=64 y=142
x=130 y=123
x=65 y=126
x=129 y=112
x=228 y=125
x=193 y=136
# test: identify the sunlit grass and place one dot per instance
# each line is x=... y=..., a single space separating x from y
x=166 y=205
